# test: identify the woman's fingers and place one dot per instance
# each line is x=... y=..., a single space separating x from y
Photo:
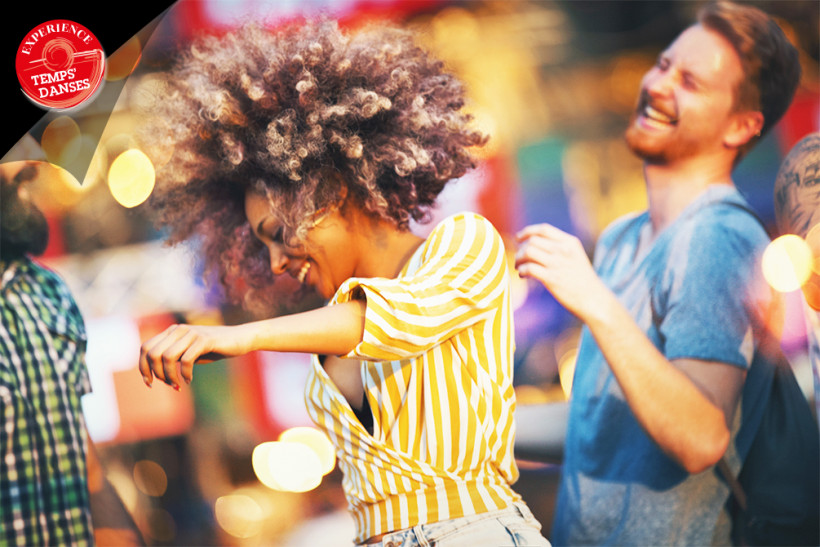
x=172 y=357
x=150 y=351
x=172 y=354
x=160 y=356
x=193 y=354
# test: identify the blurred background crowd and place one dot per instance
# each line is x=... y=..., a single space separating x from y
x=230 y=460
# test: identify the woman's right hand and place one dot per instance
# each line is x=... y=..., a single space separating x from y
x=171 y=354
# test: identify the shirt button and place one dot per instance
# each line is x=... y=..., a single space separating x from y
x=389 y=543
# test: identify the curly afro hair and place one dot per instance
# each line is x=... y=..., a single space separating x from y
x=293 y=113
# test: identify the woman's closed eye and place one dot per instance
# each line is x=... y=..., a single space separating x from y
x=278 y=235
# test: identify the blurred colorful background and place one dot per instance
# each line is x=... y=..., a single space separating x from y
x=232 y=459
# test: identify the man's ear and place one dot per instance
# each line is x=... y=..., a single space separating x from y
x=744 y=127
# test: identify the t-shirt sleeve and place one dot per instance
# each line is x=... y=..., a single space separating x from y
x=462 y=279
x=713 y=294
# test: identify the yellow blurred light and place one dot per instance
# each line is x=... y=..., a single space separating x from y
x=55 y=190
x=787 y=263
x=131 y=178
x=119 y=143
x=239 y=515
x=316 y=441
x=123 y=61
x=96 y=170
x=261 y=467
x=82 y=163
x=484 y=122
x=566 y=370
x=530 y=395
x=456 y=33
x=125 y=488
x=287 y=466
x=150 y=478
x=61 y=140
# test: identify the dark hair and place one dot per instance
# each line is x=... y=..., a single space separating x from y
x=293 y=113
x=770 y=63
x=23 y=227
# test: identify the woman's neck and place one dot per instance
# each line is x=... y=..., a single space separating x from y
x=385 y=249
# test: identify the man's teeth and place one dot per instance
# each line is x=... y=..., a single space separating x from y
x=657 y=115
x=303 y=272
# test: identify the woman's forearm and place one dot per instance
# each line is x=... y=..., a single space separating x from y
x=171 y=355
x=331 y=330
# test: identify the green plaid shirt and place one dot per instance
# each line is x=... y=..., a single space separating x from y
x=43 y=485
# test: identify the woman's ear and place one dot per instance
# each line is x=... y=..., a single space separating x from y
x=341 y=189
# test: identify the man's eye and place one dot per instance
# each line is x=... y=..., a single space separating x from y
x=690 y=82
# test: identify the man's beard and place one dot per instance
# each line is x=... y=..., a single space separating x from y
x=23 y=227
x=643 y=147
x=658 y=150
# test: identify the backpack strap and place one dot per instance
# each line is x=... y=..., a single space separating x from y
x=734 y=484
x=731 y=479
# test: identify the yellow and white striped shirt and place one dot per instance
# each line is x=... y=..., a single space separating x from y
x=437 y=371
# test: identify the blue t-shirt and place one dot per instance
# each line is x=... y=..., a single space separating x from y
x=697 y=292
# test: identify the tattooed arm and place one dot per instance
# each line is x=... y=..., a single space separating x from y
x=797 y=190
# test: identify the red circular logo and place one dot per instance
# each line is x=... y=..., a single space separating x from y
x=60 y=64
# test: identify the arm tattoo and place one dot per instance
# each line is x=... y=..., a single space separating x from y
x=797 y=188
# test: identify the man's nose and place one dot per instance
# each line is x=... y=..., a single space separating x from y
x=659 y=83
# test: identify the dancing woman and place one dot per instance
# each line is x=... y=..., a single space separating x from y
x=308 y=151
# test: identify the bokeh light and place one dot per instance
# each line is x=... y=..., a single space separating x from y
x=61 y=140
x=287 y=466
x=239 y=515
x=316 y=441
x=456 y=33
x=160 y=526
x=811 y=288
x=119 y=143
x=124 y=486
x=131 y=178
x=150 y=478
x=566 y=370
x=787 y=263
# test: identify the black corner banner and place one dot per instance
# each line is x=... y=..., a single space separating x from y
x=112 y=23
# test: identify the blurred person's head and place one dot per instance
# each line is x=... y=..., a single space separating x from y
x=797 y=203
x=315 y=127
x=23 y=227
x=719 y=87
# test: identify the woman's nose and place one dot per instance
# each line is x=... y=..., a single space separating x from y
x=279 y=259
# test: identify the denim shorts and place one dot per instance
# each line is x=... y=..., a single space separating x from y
x=508 y=527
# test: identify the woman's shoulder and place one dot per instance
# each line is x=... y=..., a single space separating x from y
x=465 y=222
x=461 y=229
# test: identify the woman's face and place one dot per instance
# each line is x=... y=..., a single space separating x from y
x=323 y=261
